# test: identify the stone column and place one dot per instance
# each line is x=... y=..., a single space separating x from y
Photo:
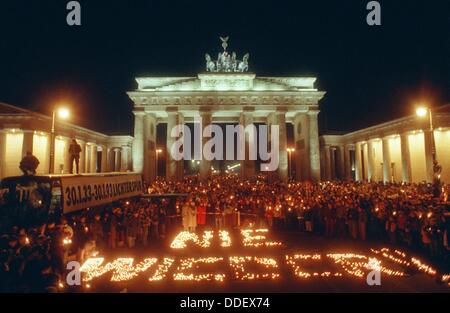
x=124 y=158
x=358 y=161
x=27 y=144
x=93 y=167
x=301 y=155
x=340 y=162
x=117 y=159
x=138 y=142
x=270 y=120
x=93 y=159
x=247 y=165
x=333 y=173
x=149 y=151
x=406 y=158
x=327 y=163
x=205 y=165
x=111 y=159
x=67 y=142
x=88 y=158
x=82 y=156
x=2 y=153
x=47 y=153
x=314 y=146
x=280 y=120
x=104 y=164
x=387 y=170
x=347 y=163
x=428 y=141
x=370 y=162
x=172 y=165
x=180 y=163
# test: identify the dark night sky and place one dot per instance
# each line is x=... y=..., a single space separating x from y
x=371 y=74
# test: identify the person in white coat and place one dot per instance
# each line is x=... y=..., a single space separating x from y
x=193 y=217
x=189 y=216
x=185 y=215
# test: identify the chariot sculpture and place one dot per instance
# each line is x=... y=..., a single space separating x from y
x=226 y=62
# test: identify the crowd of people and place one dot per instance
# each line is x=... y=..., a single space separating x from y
x=34 y=259
x=401 y=214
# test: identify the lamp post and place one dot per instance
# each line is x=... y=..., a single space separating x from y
x=289 y=150
x=424 y=112
x=62 y=113
x=158 y=151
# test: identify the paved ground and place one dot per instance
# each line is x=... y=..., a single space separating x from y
x=293 y=243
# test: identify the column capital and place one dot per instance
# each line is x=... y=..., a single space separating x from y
x=138 y=113
x=150 y=114
x=405 y=134
x=281 y=110
x=171 y=109
x=313 y=112
x=248 y=109
x=204 y=111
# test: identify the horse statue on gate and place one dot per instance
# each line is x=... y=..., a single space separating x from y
x=243 y=65
x=210 y=65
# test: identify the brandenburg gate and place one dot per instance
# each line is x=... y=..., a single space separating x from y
x=227 y=93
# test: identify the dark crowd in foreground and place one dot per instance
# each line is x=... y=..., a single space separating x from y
x=33 y=259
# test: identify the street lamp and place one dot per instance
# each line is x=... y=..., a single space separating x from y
x=158 y=151
x=290 y=150
x=422 y=112
x=62 y=113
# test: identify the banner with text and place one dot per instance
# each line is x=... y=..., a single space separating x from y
x=80 y=192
